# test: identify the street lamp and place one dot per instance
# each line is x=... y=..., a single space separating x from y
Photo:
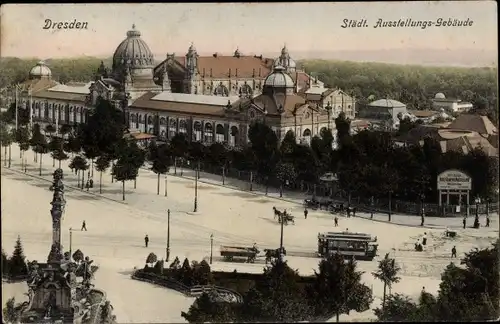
x=329 y=110
x=477 y=201
x=372 y=203
x=196 y=191
x=422 y=208
x=211 y=247
x=281 y=237
x=168 y=235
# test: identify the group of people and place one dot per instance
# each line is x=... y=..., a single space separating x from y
x=419 y=247
x=335 y=219
x=476 y=221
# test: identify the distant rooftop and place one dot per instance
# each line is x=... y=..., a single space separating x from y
x=80 y=89
x=195 y=99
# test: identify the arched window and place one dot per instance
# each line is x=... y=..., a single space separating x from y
x=150 y=120
x=182 y=126
x=172 y=130
x=246 y=90
x=307 y=132
x=197 y=131
x=141 y=119
x=221 y=90
x=219 y=133
x=173 y=123
x=163 y=121
x=234 y=136
x=322 y=130
x=209 y=133
x=133 y=118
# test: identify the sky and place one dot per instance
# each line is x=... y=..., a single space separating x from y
x=254 y=28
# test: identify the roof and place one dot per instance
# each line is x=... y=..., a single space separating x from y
x=221 y=67
x=477 y=123
x=389 y=103
x=81 y=89
x=271 y=103
x=195 y=99
x=145 y=102
x=279 y=78
x=60 y=95
x=423 y=113
x=37 y=84
x=133 y=49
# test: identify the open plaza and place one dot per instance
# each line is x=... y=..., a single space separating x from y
x=116 y=229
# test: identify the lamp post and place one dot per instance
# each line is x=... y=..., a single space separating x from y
x=372 y=203
x=211 y=247
x=196 y=191
x=328 y=110
x=281 y=236
x=70 y=241
x=168 y=235
x=422 y=208
x=477 y=201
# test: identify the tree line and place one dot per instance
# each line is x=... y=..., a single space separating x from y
x=412 y=85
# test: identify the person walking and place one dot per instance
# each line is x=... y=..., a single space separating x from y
x=84 y=226
x=487 y=220
x=464 y=221
x=336 y=221
x=424 y=240
x=146 y=240
x=454 y=252
x=87 y=185
x=305 y=213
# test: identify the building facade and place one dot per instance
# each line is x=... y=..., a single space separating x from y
x=208 y=98
x=450 y=105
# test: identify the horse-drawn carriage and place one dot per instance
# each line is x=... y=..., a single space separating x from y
x=283 y=216
x=274 y=253
x=229 y=253
x=318 y=203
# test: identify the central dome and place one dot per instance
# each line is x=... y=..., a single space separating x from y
x=279 y=79
x=133 y=51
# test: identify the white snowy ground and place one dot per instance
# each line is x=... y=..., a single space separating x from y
x=116 y=231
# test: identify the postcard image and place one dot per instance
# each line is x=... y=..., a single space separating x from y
x=249 y=162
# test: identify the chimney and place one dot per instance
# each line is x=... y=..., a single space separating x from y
x=253 y=73
x=236 y=73
x=259 y=72
x=210 y=72
x=229 y=75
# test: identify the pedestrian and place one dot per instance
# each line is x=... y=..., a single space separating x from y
x=422 y=218
x=424 y=240
x=87 y=185
x=305 y=213
x=464 y=221
x=348 y=211
x=454 y=252
x=487 y=220
x=84 y=226
x=146 y=240
x=91 y=182
x=336 y=220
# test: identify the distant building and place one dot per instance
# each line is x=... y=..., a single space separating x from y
x=450 y=105
x=209 y=99
x=383 y=112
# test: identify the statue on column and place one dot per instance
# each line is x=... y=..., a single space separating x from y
x=58 y=203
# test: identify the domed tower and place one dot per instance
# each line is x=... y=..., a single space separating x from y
x=286 y=61
x=279 y=81
x=40 y=71
x=133 y=60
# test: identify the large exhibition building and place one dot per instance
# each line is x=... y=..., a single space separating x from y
x=210 y=98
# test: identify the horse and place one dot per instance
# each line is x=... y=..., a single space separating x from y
x=273 y=253
x=277 y=213
x=338 y=208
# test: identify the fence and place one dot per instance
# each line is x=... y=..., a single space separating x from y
x=193 y=291
x=379 y=205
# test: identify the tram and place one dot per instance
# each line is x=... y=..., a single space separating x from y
x=361 y=246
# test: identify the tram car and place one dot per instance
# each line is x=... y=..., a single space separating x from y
x=361 y=246
x=248 y=253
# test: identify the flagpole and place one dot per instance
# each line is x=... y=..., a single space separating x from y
x=17 y=99
x=31 y=108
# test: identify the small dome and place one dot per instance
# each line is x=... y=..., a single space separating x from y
x=40 y=70
x=389 y=103
x=439 y=95
x=133 y=51
x=279 y=78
